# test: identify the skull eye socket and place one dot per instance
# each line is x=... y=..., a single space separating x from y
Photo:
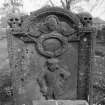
x=85 y=18
x=90 y=18
x=16 y=19
x=11 y=19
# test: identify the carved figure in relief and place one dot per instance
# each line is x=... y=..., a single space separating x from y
x=52 y=23
x=49 y=25
x=52 y=81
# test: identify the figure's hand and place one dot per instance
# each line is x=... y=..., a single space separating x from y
x=44 y=91
x=65 y=74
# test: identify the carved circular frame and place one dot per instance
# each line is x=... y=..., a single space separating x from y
x=58 y=52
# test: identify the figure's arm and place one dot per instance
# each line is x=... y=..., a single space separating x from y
x=42 y=83
x=64 y=73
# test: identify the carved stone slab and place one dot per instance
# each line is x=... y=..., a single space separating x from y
x=50 y=55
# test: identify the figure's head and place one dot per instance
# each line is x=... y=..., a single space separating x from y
x=52 y=18
x=52 y=64
x=52 y=22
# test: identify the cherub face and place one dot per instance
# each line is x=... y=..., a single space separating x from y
x=51 y=22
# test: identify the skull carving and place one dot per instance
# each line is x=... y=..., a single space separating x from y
x=14 y=22
x=86 y=19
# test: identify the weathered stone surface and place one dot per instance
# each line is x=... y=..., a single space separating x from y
x=60 y=102
x=50 y=55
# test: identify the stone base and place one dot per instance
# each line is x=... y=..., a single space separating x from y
x=60 y=102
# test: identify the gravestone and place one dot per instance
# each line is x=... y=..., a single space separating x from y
x=50 y=54
x=99 y=73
